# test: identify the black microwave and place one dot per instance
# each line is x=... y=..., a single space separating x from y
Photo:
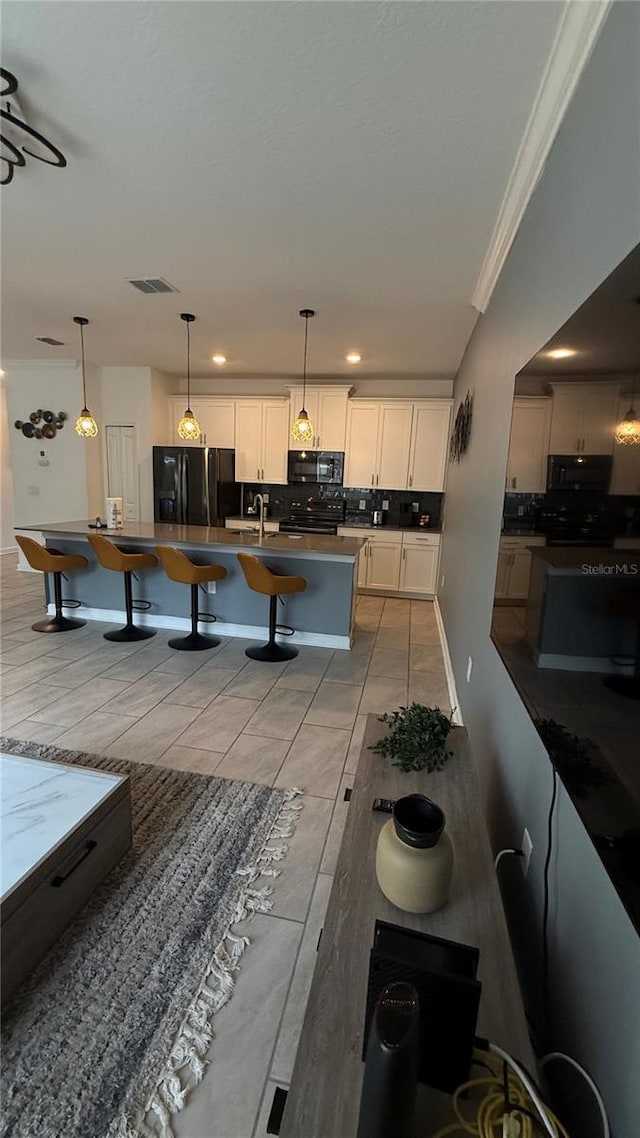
x=579 y=472
x=316 y=466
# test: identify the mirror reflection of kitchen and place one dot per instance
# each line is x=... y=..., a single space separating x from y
x=566 y=618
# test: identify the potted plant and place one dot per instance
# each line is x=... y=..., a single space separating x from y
x=417 y=738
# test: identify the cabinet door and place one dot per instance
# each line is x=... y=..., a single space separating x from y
x=363 y=564
x=528 y=446
x=362 y=444
x=248 y=441
x=418 y=569
x=394 y=441
x=311 y=402
x=331 y=425
x=429 y=442
x=179 y=406
x=566 y=422
x=384 y=565
x=625 y=476
x=599 y=419
x=217 y=418
x=275 y=442
x=519 y=574
x=502 y=575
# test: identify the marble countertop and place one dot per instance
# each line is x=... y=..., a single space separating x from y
x=42 y=803
x=206 y=537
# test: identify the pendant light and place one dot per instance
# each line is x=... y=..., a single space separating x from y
x=628 y=429
x=302 y=429
x=188 y=427
x=86 y=425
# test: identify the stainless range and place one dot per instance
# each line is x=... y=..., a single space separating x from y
x=314 y=515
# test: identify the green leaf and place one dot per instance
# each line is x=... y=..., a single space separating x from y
x=417 y=739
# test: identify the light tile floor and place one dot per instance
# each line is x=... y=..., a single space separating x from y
x=296 y=724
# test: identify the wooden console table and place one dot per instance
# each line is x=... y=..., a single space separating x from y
x=324 y=1098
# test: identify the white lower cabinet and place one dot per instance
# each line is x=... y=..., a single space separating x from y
x=418 y=569
x=514 y=567
x=383 y=570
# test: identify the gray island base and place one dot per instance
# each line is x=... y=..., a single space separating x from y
x=322 y=616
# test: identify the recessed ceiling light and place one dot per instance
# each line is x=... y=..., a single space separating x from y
x=219 y=359
x=561 y=353
x=353 y=357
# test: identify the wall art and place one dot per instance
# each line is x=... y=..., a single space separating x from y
x=461 y=435
x=41 y=424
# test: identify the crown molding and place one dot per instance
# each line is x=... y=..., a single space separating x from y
x=575 y=39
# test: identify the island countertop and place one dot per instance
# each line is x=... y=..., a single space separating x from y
x=316 y=545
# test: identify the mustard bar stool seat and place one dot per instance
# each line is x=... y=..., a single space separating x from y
x=119 y=560
x=51 y=561
x=262 y=580
x=182 y=569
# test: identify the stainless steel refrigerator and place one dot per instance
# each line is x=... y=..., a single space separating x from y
x=194 y=485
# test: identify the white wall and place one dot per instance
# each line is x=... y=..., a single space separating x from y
x=60 y=491
x=7 y=540
x=582 y=221
x=367 y=387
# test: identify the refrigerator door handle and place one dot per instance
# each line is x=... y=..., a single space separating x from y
x=185 y=490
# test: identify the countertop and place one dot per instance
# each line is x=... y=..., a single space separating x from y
x=322 y=545
x=575 y=556
x=367 y=527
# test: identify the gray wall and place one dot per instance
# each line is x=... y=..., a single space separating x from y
x=583 y=219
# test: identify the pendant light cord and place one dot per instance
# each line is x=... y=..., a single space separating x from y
x=188 y=323
x=84 y=380
x=304 y=366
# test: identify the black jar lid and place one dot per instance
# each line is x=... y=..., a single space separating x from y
x=418 y=821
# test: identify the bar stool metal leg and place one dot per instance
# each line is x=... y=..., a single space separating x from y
x=195 y=641
x=130 y=631
x=59 y=622
x=271 y=650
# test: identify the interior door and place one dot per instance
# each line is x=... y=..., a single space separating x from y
x=122 y=469
x=394 y=442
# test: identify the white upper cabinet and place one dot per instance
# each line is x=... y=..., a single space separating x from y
x=327 y=411
x=429 y=445
x=361 y=447
x=262 y=427
x=529 y=446
x=625 y=476
x=583 y=418
x=394 y=440
x=215 y=416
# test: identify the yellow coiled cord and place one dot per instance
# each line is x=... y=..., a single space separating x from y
x=490 y=1119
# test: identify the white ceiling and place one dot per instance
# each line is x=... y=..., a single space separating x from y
x=604 y=333
x=262 y=157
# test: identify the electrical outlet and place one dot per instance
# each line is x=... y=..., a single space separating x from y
x=526 y=845
x=33 y=489
x=385 y=503
x=211 y=586
x=362 y=505
x=469 y=669
x=265 y=499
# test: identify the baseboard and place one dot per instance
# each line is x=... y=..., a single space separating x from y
x=448 y=667
x=555 y=661
x=8 y=549
x=220 y=628
x=396 y=594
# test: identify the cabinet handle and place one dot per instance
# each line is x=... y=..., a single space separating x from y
x=513 y=483
x=411 y=479
x=373 y=479
x=377 y=478
x=404 y=555
x=258 y=474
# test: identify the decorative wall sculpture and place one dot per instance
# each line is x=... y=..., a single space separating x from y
x=51 y=424
x=461 y=435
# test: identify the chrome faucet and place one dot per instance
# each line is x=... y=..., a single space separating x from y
x=258 y=502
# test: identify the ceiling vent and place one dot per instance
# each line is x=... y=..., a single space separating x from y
x=150 y=285
x=50 y=340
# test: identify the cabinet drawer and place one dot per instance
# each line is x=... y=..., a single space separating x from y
x=432 y=539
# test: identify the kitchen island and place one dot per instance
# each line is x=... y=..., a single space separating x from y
x=322 y=616
x=582 y=608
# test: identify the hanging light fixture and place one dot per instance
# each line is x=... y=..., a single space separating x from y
x=188 y=427
x=302 y=429
x=628 y=429
x=86 y=425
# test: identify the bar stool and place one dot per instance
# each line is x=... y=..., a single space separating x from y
x=51 y=561
x=262 y=580
x=119 y=560
x=180 y=568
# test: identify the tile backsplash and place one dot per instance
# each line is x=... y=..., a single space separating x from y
x=400 y=513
